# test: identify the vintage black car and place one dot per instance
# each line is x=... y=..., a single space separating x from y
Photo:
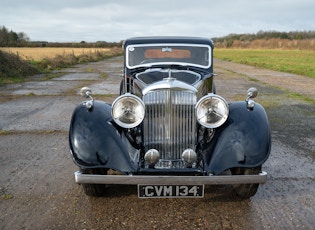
x=169 y=132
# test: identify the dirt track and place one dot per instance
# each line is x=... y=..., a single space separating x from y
x=37 y=188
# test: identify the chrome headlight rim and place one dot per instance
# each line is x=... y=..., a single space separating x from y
x=120 y=113
x=222 y=111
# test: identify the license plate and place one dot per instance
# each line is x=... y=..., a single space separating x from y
x=170 y=191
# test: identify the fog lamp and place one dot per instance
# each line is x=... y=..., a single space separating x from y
x=152 y=156
x=189 y=156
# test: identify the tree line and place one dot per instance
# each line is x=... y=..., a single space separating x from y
x=9 y=38
x=12 y=39
x=264 y=35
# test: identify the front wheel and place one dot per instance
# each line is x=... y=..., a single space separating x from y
x=95 y=190
x=246 y=190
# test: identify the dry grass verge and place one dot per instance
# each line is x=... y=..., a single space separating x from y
x=16 y=64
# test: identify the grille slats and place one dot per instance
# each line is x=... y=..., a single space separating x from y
x=170 y=124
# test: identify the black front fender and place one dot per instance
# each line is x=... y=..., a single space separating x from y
x=244 y=141
x=95 y=141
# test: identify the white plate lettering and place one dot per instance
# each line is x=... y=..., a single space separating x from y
x=169 y=191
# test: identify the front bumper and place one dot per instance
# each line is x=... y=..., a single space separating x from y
x=81 y=178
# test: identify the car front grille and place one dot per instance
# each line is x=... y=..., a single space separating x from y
x=170 y=124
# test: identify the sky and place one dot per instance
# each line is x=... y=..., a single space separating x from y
x=116 y=20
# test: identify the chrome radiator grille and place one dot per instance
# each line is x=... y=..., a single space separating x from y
x=170 y=124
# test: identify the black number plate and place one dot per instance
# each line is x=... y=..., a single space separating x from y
x=170 y=191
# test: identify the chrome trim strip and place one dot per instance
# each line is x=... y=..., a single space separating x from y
x=169 y=180
x=169 y=83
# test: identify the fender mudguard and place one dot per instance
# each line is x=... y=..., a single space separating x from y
x=244 y=141
x=94 y=140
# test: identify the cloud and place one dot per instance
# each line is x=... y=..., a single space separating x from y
x=94 y=20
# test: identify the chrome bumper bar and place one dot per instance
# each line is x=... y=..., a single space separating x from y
x=169 y=180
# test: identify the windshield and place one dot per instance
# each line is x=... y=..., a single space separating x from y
x=165 y=54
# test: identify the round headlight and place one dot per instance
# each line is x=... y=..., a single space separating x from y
x=212 y=111
x=128 y=110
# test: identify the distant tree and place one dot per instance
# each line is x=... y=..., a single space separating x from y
x=11 y=38
x=4 y=36
x=23 y=37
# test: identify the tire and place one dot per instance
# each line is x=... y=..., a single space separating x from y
x=246 y=191
x=95 y=190
x=214 y=89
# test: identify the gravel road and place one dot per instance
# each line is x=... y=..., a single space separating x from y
x=37 y=188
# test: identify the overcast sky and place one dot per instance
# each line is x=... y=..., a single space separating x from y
x=116 y=20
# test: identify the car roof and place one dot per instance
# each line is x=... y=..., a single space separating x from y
x=168 y=39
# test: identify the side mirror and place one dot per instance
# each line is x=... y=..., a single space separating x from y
x=252 y=93
x=86 y=92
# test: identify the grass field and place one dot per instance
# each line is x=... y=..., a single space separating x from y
x=39 y=53
x=291 y=61
x=16 y=64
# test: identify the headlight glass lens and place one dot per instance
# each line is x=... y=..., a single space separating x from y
x=212 y=111
x=128 y=111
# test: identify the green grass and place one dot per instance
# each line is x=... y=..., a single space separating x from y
x=299 y=62
x=301 y=97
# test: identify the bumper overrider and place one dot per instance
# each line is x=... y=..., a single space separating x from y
x=81 y=178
